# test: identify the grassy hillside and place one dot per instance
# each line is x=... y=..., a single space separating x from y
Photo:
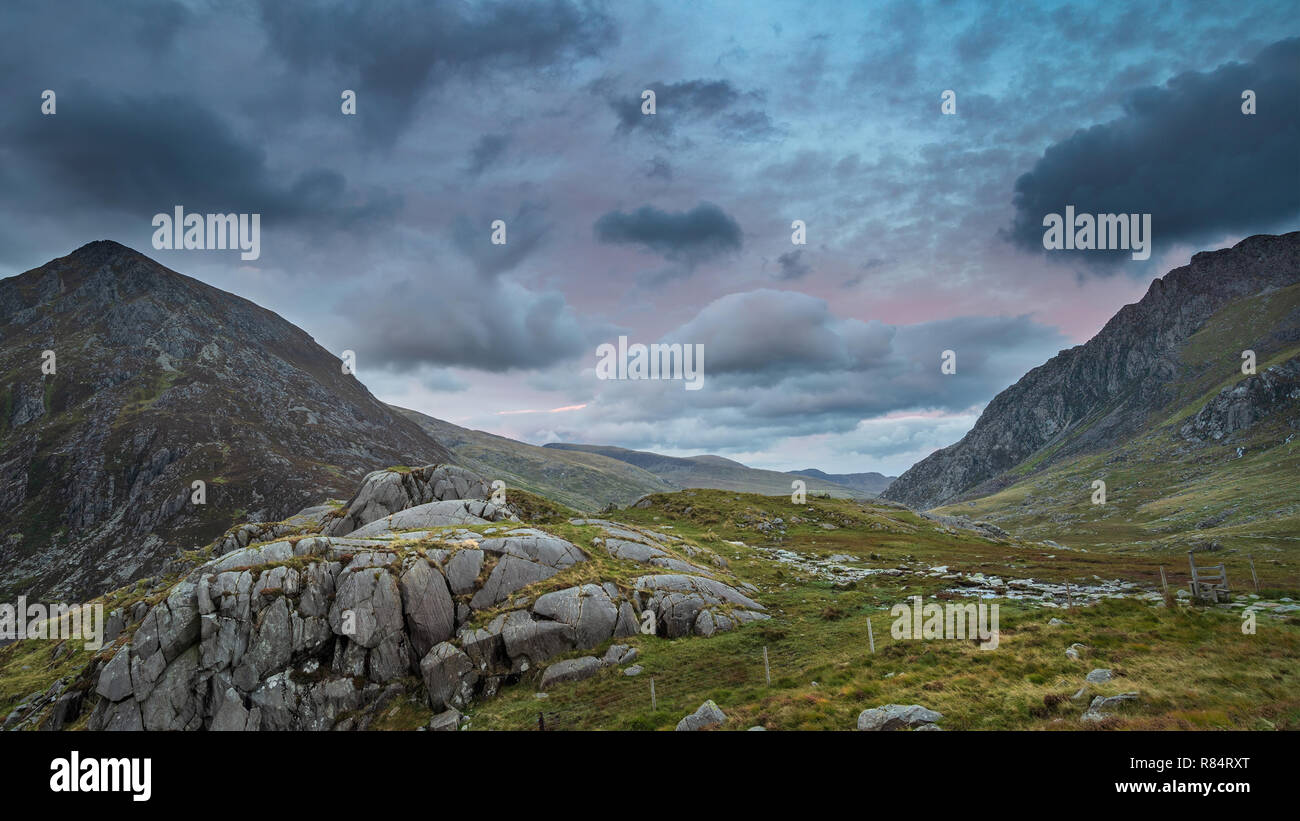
x=1193 y=668
x=584 y=481
x=713 y=472
x=1166 y=494
x=826 y=569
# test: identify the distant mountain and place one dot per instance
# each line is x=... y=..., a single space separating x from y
x=159 y=381
x=866 y=484
x=709 y=472
x=1172 y=359
x=583 y=481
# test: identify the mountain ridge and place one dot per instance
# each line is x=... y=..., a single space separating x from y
x=1106 y=389
x=709 y=471
x=871 y=483
x=161 y=380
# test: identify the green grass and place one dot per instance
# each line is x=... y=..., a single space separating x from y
x=1194 y=668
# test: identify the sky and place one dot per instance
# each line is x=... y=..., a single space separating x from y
x=923 y=229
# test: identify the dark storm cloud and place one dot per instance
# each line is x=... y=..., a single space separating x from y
x=148 y=154
x=393 y=54
x=691 y=98
x=487 y=151
x=686 y=237
x=792 y=265
x=526 y=230
x=1184 y=153
x=688 y=101
x=495 y=325
x=781 y=360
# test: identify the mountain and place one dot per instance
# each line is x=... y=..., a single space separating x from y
x=160 y=380
x=866 y=484
x=709 y=472
x=583 y=481
x=1162 y=383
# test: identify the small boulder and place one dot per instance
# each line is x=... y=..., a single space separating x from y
x=446 y=720
x=707 y=716
x=896 y=717
x=1103 y=707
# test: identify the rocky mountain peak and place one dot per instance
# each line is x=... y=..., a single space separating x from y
x=160 y=381
x=1093 y=395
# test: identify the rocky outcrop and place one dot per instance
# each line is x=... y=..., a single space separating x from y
x=692 y=604
x=1098 y=393
x=387 y=492
x=1250 y=400
x=313 y=631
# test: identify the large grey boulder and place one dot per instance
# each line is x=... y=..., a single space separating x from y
x=529 y=642
x=896 y=717
x=632 y=551
x=509 y=575
x=570 y=670
x=487 y=650
x=587 y=608
x=711 y=590
x=372 y=598
x=173 y=703
x=708 y=715
x=462 y=570
x=270 y=646
x=386 y=492
x=433 y=514
x=115 y=679
x=526 y=556
x=171 y=626
x=449 y=677
x=685 y=604
x=535 y=546
x=430 y=610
